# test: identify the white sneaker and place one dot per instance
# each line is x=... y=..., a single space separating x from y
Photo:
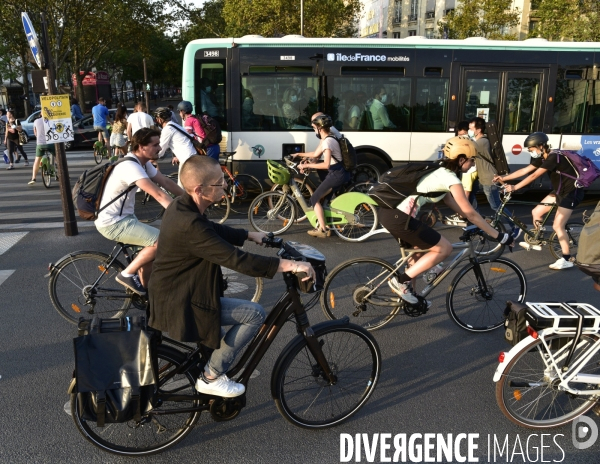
x=561 y=263
x=404 y=291
x=222 y=386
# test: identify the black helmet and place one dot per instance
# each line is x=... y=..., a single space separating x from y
x=323 y=121
x=162 y=113
x=185 y=106
x=535 y=140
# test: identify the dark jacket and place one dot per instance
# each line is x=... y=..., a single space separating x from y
x=186 y=282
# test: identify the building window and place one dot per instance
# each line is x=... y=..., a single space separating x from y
x=396 y=35
x=398 y=11
x=430 y=15
x=532 y=25
x=447 y=12
x=430 y=33
x=412 y=33
x=414 y=10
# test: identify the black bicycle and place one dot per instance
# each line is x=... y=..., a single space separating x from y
x=322 y=377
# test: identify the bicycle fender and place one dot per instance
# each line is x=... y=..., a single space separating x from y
x=349 y=201
x=509 y=355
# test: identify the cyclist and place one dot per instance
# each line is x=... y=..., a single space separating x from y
x=190 y=122
x=101 y=119
x=41 y=147
x=564 y=193
x=186 y=287
x=173 y=136
x=459 y=156
x=118 y=222
x=332 y=161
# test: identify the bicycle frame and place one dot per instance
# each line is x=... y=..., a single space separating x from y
x=48 y=162
x=507 y=200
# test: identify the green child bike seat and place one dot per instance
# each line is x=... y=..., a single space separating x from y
x=278 y=173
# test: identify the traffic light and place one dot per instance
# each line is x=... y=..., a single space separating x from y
x=147 y=87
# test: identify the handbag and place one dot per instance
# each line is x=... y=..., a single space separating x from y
x=23 y=138
x=6 y=158
x=200 y=148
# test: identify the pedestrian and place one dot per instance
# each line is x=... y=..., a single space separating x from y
x=41 y=146
x=138 y=119
x=76 y=113
x=11 y=140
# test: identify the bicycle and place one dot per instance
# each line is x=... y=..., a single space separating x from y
x=240 y=187
x=49 y=168
x=552 y=376
x=83 y=283
x=101 y=152
x=475 y=301
x=351 y=216
x=323 y=376
x=148 y=210
x=535 y=238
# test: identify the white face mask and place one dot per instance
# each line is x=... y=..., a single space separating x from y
x=535 y=154
x=384 y=98
x=293 y=98
x=471 y=133
x=209 y=88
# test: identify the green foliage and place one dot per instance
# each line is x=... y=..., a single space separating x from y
x=577 y=20
x=481 y=18
x=204 y=22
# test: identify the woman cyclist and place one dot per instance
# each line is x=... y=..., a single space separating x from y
x=459 y=157
x=565 y=193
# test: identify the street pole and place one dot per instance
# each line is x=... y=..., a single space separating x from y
x=145 y=92
x=63 y=171
x=302 y=17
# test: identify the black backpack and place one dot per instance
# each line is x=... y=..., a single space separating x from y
x=88 y=190
x=348 y=153
x=211 y=127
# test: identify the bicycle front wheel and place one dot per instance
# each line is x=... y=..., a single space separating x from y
x=477 y=297
x=241 y=286
x=528 y=394
x=358 y=289
x=573 y=232
x=155 y=432
x=272 y=212
x=365 y=221
x=46 y=176
x=84 y=285
x=147 y=209
x=219 y=212
x=304 y=395
x=97 y=155
x=248 y=187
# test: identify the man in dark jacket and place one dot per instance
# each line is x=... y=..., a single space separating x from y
x=186 y=286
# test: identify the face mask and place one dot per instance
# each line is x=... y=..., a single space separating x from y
x=535 y=154
x=383 y=98
x=293 y=98
x=312 y=99
x=471 y=133
x=317 y=135
x=209 y=88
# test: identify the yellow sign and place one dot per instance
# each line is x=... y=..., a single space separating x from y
x=56 y=107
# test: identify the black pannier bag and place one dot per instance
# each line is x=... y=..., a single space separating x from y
x=515 y=323
x=115 y=369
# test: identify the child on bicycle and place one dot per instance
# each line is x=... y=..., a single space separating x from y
x=459 y=156
x=565 y=194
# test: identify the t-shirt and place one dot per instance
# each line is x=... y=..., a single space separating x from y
x=551 y=164
x=139 y=120
x=13 y=134
x=334 y=146
x=469 y=178
x=193 y=126
x=100 y=113
x=40 y=131
x=484 y=161
x=439 y=180
x=123 y=175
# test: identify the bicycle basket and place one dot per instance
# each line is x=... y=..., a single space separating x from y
x=278 y=173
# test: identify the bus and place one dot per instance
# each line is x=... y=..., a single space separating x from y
x=264 y=91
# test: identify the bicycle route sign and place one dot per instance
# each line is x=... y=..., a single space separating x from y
x=56 y=113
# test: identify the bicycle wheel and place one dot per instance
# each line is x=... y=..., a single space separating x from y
x=366 y=221
x=272 y=212
x=573 y=232
x=362 y=187
x=528 y=394
x=155 y=432
x=73 y=293
x=306 y=191
x=487 y=249
x=97 y=155
x=248 y=187
x=46 y=176
x=242 y=286
x=302 y=393
x=365 y=173
x=346 y=289
x=219 y=212
x=470 y=308
x=147 y=209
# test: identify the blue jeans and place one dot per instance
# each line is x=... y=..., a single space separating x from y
x=493 y=197
x=245 y=318
x=213 y=151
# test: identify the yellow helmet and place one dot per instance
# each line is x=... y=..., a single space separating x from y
x=460 y=145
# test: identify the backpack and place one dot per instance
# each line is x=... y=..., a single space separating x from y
x=88 y=190
x=398 y=183
x=588 y=250
x=115 y=369
x=515 y=324
x=348 y=153
x=211 y=127
x=586 y=170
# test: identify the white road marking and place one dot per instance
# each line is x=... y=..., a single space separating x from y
x=8 y=239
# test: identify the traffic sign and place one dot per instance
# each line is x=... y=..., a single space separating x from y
x=56 y=112
x=33 y=41
x=147 y=86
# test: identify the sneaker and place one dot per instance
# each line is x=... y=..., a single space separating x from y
x=319 y=233
x=561 y=263
x=529 y=247
x=221 y=386
x=26 y=163
x=132 y=283
x=10 y=167
x=515 y=232
x=31 y=182
x=404 y=290
x=455 y=220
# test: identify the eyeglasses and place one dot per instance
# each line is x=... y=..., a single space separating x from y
x=215 y=185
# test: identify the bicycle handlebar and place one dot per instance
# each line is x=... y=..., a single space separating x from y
x=271 y=241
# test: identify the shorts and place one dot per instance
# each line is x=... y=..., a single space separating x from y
x=418 y=234
x=103 y=130
x=39 y=150
x=117 y=140
x=571 y=199
x=335 y=178
x=130 y=231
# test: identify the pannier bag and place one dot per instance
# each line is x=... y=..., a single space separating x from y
x=515 y=323
x=114 y=369
x=588 y=251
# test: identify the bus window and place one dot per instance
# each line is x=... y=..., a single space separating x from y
x=278 y=102
x=593 y=119
x=521 y=105
x=369 y=103
x=210 y=90
x=430 y=105
x=569 y=106
x=482 y=99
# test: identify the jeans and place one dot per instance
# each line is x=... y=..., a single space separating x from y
x=493 y=197
x=213 y=151
x=245 y=318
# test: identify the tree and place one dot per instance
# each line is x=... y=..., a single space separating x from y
x=204 y=22
x=481 y=18
x=577 y=20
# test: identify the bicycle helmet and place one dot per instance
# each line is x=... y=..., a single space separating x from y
x=323 y=121
x=185 y=106
x=535 y=140
x=278 y=173
x=460 y=145
x=162 y=113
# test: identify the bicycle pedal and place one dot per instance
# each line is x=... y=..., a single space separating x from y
x=530 y=247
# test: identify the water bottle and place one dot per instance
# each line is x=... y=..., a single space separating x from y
x=432 y=273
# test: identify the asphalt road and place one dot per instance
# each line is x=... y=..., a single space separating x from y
x=436 y=377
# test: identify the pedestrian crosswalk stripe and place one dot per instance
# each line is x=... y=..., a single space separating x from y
x=5 y=275
x=8 y=239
